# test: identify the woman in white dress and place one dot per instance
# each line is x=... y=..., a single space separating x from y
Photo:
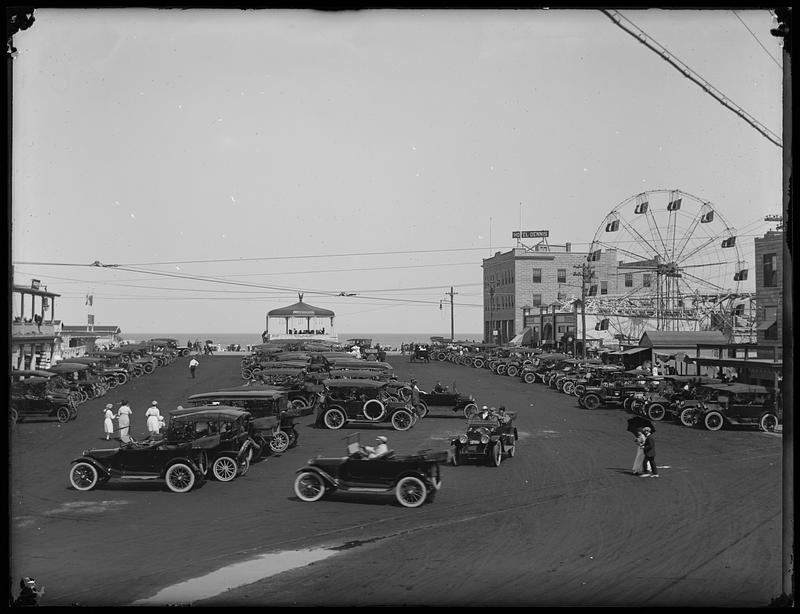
x=154 y=419
x=124 y=416
x=638 y=462
x=108 y=420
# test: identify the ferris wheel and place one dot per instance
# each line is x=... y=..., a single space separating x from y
x=664 y=260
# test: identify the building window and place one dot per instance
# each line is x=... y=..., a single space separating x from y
x=646 y=280
x=603 y=287
x=629 y=280
x=562 y=276
x=537 y=276
x=770 y=270
x=536 y=300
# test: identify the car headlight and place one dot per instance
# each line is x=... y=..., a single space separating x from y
x=484 y=439
x=462 y=439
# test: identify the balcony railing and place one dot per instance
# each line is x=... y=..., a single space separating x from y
x=21 y=329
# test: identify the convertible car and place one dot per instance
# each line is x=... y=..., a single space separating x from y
x=487 y=439
x=413 y=479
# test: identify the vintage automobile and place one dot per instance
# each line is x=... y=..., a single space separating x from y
x=453 y=399
x=34 y=397
x=234 y=426
x=735 y=404
x=488 y=439
x=362 y=401
x=618 y=391
x=273 y=419
x=413 y=479
x=420 y=353
x=181 y=457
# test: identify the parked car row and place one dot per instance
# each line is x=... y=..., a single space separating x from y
x=59 y=390
x=694 y=401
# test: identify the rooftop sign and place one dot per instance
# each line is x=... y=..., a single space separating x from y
x=529 y=234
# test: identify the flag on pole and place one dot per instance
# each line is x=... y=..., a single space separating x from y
x=89 y=299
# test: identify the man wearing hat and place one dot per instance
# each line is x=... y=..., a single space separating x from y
x=414 y=392
x=380 y=450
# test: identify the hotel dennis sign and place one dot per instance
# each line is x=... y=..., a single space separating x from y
x=530 y=234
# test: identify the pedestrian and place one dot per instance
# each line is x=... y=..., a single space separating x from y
x=153 y=419
x=124 y=417
x=28 y=594
x=193 y=364
x=108 y=421
x=638 y=461
x=649 y=454
x=414 y=392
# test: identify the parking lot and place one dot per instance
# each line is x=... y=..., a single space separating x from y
x=562 y=523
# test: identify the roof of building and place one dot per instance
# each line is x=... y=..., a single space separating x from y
x=661 y=338
x=300 y=310
x=36 y=291
x=90 y=330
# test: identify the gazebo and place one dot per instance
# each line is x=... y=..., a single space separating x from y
x=300 y=321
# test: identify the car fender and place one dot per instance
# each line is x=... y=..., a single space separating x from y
x=181 y=459
x=328 y=478
x=414 y=474
x=101 y=468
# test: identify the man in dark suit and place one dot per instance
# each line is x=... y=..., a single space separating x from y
x=649 y=454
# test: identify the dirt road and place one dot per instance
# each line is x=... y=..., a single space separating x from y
x=562 y=523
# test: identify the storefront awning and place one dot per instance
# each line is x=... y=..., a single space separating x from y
x=766 y=324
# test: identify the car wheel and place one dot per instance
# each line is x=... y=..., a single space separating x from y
x=334 y=418
x=402 y=420
x=496 y=455
x=627 y=404
x=279 y=442
x=478 y=363
x=308 y=486
x=470 y=410
x=768 y=423
x=247 y=373
x=299 y=404
x=501 y=369
x=687 y=416
x=83 y=476
x=568 y=388
x=411 y=491
x=224 y=468
x=591 y=401
x=512 y=371
x=63 y=414
x=422 y=409
x=529 y=378
x=713 y=421
x=180 y=478
x=579 y=390
x=13 y=415
x=656 y=412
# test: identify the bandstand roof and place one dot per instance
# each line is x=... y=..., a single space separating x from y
x=300 y=310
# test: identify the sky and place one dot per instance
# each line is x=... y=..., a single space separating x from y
x=225 y=160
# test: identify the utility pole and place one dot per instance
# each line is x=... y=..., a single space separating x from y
x=586 y=273
x=451 y=294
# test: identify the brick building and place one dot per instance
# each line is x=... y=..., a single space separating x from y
x=769 y=294
x=540 y=277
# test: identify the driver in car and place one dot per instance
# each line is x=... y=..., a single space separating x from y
x=380 y=450
x=439 y=388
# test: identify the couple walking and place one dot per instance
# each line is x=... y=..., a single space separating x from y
x=645 y=454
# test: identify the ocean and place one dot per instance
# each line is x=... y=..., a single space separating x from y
x=389 y=340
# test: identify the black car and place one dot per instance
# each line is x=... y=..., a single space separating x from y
x=273 y=419
x=451 y=399
x=413 y=479
x=735 y=404
x=487 y=439
x=181 y=458
x=362 y=401
x=35 y=397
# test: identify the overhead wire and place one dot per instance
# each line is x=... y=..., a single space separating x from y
x=777 y=63
x=648 y=41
